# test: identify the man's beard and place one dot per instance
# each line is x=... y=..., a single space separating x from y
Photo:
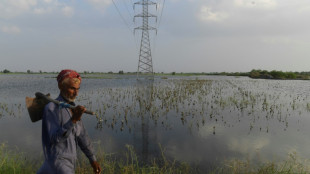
x=68 y=98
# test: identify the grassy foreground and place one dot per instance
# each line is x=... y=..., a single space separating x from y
x=292 y=165
x=131 y=165
x=14 y=162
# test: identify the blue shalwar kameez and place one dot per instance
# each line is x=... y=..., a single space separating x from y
x=60 y=137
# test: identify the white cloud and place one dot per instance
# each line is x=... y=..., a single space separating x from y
x=48 y=1
x=277 y=40
x=291 y=41
x=260 y=4
x=304 y=9
x=100 y=4
x=42 y=10
x=10 y=29
x=68 y=11
x=207 y=14
x=12 y=8
x=21 y=4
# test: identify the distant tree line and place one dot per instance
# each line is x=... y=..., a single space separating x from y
x=228 y=73
x=264 y=74
x=6 y=71
x=255 y=73
x=28 y=71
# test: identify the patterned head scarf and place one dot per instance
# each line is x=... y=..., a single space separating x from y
x=67 y=73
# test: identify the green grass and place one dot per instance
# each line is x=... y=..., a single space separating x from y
x=292 y=165
x=15 y=162
x=131 y=165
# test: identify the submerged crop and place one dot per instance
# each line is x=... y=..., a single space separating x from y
x=195 y=104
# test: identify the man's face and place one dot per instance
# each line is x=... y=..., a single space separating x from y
x=70 y=90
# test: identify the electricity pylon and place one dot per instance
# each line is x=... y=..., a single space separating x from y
x=145 y=65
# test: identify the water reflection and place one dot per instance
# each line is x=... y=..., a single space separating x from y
x=145 y=99
x=202 y=121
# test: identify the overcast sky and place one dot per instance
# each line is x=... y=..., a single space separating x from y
x=193 y=35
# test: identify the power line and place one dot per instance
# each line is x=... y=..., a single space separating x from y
x=131 y=3
x=161 y=15
x=121 y=16
x=126 y=23
x=125 y=4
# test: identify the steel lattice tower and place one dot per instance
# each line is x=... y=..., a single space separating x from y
x=145 y=65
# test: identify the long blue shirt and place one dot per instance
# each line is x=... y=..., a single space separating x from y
x=60 y=137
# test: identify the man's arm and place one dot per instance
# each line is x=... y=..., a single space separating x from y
x=87 y=148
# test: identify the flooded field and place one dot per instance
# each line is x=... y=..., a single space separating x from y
x=203 y=120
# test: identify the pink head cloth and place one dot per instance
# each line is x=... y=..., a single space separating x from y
x=67 y=73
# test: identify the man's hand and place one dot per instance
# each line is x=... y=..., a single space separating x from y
x=96 y=167
x=77 y=113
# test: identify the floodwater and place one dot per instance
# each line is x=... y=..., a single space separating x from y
x=203 y=120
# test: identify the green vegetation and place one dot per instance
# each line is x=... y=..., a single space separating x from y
x=264 y=74
x=130 y=164
x=13 y=161
x=17 y=163
x=257 y=74
x=6 y=71
x=203 y=74
x=291 y=165
x=229 y=73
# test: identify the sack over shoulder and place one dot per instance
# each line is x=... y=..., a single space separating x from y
x=35 y=107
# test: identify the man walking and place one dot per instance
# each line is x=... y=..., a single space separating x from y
x=63 y=130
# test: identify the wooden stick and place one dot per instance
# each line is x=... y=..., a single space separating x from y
x=62 y=104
